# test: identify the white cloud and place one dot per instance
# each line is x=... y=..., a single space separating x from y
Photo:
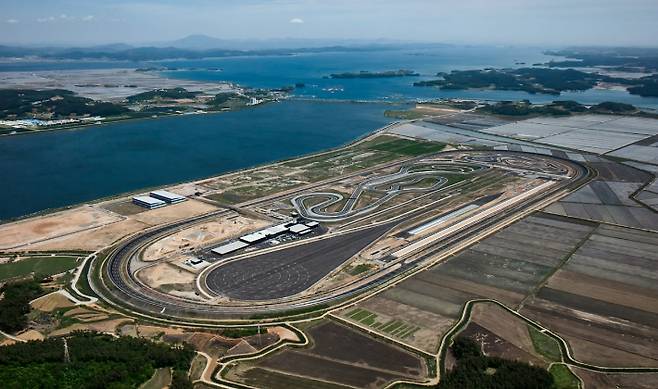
x=66 y=18
x=12 y=21
x=296 y=21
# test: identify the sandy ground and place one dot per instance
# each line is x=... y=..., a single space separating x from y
x=174 y=212
x=58 y=224
x=51 y=302
x=92 y=240
x=283 y=333
x=31 y=335
x=103 y=84
x=72 y=229
x=164 y=273
x=221 y=229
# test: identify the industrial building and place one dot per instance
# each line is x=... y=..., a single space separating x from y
x=168 y=197
x=300 y=229
x=148 y=202
x=254 y=237
x=274 y=230
x=229 y=248
x=267 y=233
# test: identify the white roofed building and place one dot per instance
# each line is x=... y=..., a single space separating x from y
x=148 y=202
x=229 y=248
x=168 y=197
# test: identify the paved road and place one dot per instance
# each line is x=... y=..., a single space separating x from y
x=121 y=289
x=286 y=272
x=393 y=185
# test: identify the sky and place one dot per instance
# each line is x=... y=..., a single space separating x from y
x=517 y=22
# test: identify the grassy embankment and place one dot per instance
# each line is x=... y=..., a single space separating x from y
x=314 y=168
x=42 y=266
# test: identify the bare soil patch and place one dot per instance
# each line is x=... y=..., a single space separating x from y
x=174 y=212
x=93 y=239
x=216 y=230
x=51 y=302
x=509 y=329
x=595 y=380
x=39 y=228
x=164 y=273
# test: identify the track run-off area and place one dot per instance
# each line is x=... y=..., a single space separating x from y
x=284 y=280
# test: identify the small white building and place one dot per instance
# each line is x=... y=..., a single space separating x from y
x=229 y=248
x=148 y=202
x=300 y=229
x=254 y=237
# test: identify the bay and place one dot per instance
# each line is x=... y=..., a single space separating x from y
x=60 y=168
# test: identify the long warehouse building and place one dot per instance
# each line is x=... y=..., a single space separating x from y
x=148 y=202
x=168 y=197
x=229 y=248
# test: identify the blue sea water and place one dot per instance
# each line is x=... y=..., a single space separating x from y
x=313 y=70
x=60 y=168
x=55 y=169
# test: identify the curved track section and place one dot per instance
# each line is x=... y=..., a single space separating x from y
x=389 y=186
x=277 y=278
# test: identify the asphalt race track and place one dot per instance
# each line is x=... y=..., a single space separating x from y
x=289 y=271
x=272 y=282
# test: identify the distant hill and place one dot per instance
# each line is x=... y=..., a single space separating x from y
x=120 y=52
x=198 y=42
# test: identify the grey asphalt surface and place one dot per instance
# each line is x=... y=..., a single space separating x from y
x=286 y=272
x=124 y=290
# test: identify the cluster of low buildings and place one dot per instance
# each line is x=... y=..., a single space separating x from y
x=298 y=227
x=31 y=123
x=158 y=199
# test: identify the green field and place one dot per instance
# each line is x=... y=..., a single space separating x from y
x=404 y=146
x=42 y=266
x=396 y=328
x=404 y=115
x=563 y=377
x=545 y=345
x=360 y=268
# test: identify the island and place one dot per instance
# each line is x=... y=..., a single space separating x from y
x=539 y=80
x=26 y=110
x=368 y=74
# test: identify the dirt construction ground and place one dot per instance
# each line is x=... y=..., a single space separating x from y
x=217 y=230
x=164 y=273
x=21 y=233
x=90 y=227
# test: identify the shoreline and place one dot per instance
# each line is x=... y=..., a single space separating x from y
x=170 y=115
x=49 y=211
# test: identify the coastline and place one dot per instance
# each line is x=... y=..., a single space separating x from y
x=49 y=211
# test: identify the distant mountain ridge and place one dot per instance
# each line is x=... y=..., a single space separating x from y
x=195 y=47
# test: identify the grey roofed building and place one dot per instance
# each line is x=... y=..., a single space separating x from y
x=148 y=202
x=229 y=247
x=167 y=196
